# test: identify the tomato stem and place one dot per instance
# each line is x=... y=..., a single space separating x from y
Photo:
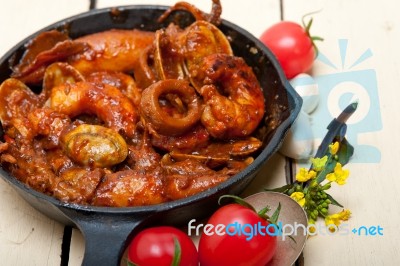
x=307 y=27
x=262 y=213
x=238 y=200
x=177 y=253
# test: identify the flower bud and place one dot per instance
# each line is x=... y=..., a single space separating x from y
x=324 y=211
x=326 y=186
x=327 y=201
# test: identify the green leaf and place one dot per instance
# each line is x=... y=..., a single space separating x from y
x=345 y=152
x=333 y=201
x=275 y=215
x=177 y=253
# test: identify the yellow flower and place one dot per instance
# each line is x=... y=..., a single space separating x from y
x=299 y=197
x=319 y=163
x=333 y=221
x=303 y=175
x=339 y=175
x=333 y=148
x=345 y=215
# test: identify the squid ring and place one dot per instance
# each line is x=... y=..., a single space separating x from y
x=159 y=118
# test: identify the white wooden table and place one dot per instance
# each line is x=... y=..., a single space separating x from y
x=362 y=44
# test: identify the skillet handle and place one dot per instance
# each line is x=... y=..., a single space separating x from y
x=106 y=233
x=105 y=241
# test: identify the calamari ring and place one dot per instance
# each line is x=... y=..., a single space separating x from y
x=159 y=118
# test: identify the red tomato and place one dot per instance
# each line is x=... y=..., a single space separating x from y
x=292 y=45
x=156 y=246
x=234 y=249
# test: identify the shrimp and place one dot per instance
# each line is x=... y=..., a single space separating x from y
x=106 y=101
x=234 y=101
x=124 y=82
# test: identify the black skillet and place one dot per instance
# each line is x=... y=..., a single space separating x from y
x=108 y=230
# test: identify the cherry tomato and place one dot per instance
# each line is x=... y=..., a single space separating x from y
x=293 y=46
x=156 y=246
x=233 y=248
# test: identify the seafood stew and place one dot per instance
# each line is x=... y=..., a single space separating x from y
x=145 y=130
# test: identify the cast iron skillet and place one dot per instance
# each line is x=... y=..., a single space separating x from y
x=108 y=230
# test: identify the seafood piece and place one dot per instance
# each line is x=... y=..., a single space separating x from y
x=213 y=17
x=188 y=177
x=58 y=160
x=140 y=184
x=16 y=101
x=234 y=101
x=112 y=50
x=144 y=69
x=129 y=188
x=168 y=57
x=27 y=162
x=202 y=39
x=124 y=82
x=180 y=53
x=142 y=158
x=48 y=123
x=48 y=47
x=77 y=185
x=107 y=102
x=170 y=122
x=92 y=145
x=220 y=153
x=58 y=74
x=192 y=140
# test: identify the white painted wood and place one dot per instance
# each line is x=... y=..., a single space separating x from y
x=26 y=236
x=20 y=18
x=77 y=248
x=372 y=190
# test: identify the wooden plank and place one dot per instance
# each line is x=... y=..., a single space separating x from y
x=26 y=236
x=21 y=18
x=372 y=191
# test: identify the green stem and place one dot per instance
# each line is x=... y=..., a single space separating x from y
x=177 y=253
x=238 y=200
x=307 y=27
